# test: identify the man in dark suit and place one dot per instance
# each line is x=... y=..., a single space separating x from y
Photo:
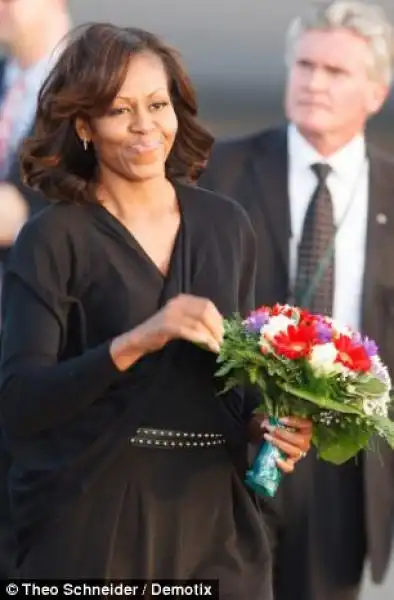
x=30 y=30
x=317 y=183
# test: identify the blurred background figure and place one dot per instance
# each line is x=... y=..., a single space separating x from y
x=30 y=31
x=309 y=186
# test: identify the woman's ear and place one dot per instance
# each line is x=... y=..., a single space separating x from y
x=83 y=131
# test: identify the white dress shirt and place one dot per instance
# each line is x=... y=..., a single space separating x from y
x=348 y=185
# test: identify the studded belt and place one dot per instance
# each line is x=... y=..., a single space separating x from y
x=147 y=437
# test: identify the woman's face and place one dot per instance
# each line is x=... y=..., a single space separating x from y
x=136 y=135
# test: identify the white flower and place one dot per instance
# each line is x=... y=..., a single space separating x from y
x=380 y=371
x=368 y=406
x=385 y=402
x=341 y=330
x=322 y=359
x=275 y=325
x=265 y=345
x=377 y=406
x=345 y=372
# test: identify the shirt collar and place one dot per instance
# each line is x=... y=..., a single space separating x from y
x=343 y=162
x=32 y=75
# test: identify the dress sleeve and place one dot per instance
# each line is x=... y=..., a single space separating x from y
x=37 y=391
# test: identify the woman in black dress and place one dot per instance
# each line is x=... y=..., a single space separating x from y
x=125 y=462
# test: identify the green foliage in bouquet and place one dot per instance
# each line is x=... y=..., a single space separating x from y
x=347 y=408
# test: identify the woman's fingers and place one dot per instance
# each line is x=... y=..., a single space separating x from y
x=304 y=425
x=294 y=452
x=293 y=439
x=300 y=440
x=196 y=332
x=212 y=320
x=287 y=466
x=205 y=312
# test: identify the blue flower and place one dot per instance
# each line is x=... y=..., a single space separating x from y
x=380 y=371
x=256 y=321
x=324 y=332
x=369 y=345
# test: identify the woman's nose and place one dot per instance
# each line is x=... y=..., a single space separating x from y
x=142 y=121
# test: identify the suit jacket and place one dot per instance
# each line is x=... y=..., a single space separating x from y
x=254 y=171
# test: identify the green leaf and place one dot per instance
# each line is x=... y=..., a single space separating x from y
x=231 y=382
x=324 y=402
x=336 y=445
x=370 y=387
x=341 y=452
x=224 y=370
x=385 y=428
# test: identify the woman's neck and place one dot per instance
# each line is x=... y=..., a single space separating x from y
x=128 y=199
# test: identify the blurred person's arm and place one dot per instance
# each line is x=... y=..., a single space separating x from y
x=17 y=203
x=14 y=212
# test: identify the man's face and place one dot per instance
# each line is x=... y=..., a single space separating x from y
x=17 y=17
x=330 y=88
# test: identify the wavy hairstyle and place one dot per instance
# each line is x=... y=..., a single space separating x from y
x=83 y=83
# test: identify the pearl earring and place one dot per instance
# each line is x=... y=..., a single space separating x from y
x=85 y=144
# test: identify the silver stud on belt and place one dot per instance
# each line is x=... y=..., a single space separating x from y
x=177 y=434
x=162 y=438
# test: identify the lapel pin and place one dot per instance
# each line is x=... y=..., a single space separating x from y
x=381 y=219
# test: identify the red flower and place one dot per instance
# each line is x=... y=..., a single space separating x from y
x=284 y=309
x=296 y=342
x=351 y=355
x=307 y=318
x=278 y=309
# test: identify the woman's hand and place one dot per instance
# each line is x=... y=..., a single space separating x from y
x=185 y=317
x=294 y=439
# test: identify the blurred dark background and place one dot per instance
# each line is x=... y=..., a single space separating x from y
x=234 y=50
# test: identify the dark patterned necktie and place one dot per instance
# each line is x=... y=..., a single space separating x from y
x=313 y=251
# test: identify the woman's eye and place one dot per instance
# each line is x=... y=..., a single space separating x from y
x=119 y=110
x=156 y=106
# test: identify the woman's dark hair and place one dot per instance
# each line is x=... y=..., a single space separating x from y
x=83 y=83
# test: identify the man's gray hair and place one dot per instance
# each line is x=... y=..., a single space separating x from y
x=366 y=20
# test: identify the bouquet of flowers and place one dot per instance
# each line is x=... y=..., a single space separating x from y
x=306 y=365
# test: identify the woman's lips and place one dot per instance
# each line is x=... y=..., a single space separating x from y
x=143 y=147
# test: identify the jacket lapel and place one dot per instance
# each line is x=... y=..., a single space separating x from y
x=269 y=175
